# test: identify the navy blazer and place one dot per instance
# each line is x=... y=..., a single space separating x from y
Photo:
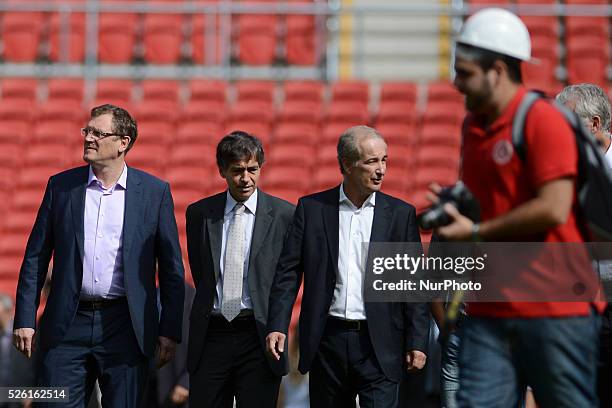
x=150 y=239
x=311 y=250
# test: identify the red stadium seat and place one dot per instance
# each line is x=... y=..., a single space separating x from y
x=8 y=180
x=27 y=200
x=160 y=90
x=117 y=36
x=400 y=156
x=586 y=62
x=398 y=92
x=159 y=133
x=21 y=35
x=278 y=176
x=65 y=89
x=207 y=90
x=300 y=40
x=351 y=91
x=327 y=155
x=308 y=91
x=47 y=154
x=443 y=91
x=61 y=110
x=210 y=111
x=10 y=154
x=19 y=222
x=185 y=177
x=19 y=88
x=257 y=39
x=148 y=157
x=291 y=155
x=35 y=178
x=163 y=35
x=9 y=274
x=155 y=111
x=252 y=117
x=438 y=112
x=438 y=156
x=441 y=175
x=260 y=91
x=61 y=132
x=396 y=112
x=348 y=114
x=398 y=133
x=118 y=91
x=326 y=177
x=75 y=51
x=13 y=246
x=195 y=154
x=296 y=133
x=184 y=197
x=300 y=112
x=330 y=132
x=199 y=132
x=396 y=179
x=440 y=134
x=15 y=110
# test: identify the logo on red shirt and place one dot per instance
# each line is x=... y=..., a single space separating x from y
x=502 y=152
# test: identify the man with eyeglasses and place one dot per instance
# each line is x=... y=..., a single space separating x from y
x=108 y=227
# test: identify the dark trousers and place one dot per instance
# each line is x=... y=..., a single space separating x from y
x=233 y=364
x=345 y=366
x=100 y=344
x=604 y=372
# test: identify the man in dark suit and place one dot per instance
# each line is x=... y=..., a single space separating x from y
x=351 y=347
x=107 y=226
x=234 y=240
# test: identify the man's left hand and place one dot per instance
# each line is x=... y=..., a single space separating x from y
x=415 y=360
x=460 y=228
x=179 y=395
x=167 y=348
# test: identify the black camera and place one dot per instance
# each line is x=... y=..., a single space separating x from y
x=459 y=196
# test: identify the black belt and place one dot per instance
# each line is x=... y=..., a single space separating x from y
x=244 y=321
x=100 y=304
x=343 y=324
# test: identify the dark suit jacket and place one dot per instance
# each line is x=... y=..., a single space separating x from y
x=175 y=371
x=204 y=235
x=150 y=236
x=311 y=250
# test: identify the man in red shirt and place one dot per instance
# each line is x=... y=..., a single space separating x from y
x=550 y=346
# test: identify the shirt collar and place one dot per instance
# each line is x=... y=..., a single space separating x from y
x=122 y=182
x=250 y=204
x=369 y=202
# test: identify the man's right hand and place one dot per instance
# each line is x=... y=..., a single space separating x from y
x=275 y=343
x=23 y=340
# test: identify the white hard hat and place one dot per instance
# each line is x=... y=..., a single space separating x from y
x=497 y=30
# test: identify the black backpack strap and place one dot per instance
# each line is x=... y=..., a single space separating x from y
x=518 y=123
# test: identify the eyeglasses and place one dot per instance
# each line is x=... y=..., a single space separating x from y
x=97 y=134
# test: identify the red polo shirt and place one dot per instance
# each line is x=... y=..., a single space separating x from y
x=502 y=181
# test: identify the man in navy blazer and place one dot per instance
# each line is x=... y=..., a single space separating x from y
x=108 y=227
x=351 y=347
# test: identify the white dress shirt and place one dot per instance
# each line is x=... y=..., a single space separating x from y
x=355 y=228
x=249 y=212
x=103 y=238
x=609 y=155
